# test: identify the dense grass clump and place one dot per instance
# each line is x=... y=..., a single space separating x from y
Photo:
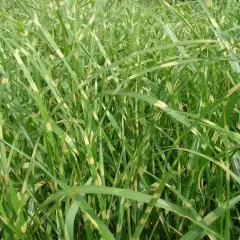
x=119 y=119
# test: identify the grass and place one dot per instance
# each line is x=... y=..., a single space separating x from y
x=119 y=119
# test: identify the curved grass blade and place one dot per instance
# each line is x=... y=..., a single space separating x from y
x=69 y=222
x=159 y=188
x=100 y=226
x=198 y=233
x=154 y=101
x=141 y=197
x=218 y=163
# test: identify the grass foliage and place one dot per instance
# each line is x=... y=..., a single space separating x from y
x=119 y=119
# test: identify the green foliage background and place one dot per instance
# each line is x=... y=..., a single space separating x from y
x=119 y=119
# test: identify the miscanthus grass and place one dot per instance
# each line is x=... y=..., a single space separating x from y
x=119 y=119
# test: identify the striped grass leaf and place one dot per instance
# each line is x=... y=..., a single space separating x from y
x=153 y=101
x=157 y=194
x=197 y=233
x=92 y=216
